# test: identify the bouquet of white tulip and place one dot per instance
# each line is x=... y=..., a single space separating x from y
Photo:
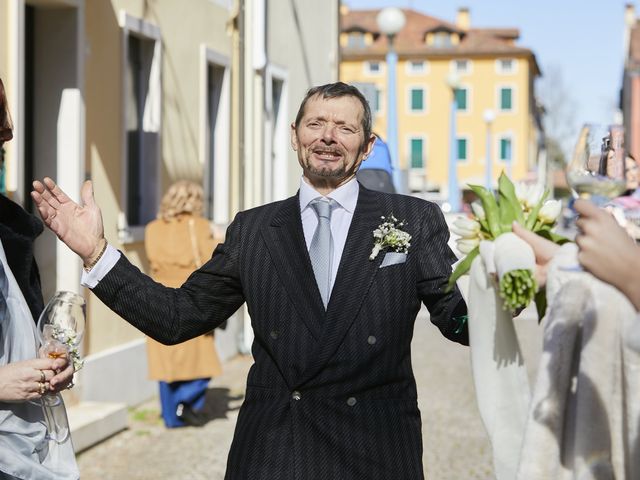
x=488 y=232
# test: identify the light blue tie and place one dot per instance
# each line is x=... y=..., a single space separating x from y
x=321 y=249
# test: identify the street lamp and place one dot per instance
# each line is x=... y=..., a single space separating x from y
x=454 y=192
x=489 y=116
x=390 y=20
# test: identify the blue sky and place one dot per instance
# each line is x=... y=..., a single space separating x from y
x=581 y=38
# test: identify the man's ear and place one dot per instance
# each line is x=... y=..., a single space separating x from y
x=294 y=138
x=368 y=147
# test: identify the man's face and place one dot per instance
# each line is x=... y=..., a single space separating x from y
x=330 y=140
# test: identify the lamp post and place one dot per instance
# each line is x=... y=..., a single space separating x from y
x=454 y=191
x=489 y=116
x=390 y=20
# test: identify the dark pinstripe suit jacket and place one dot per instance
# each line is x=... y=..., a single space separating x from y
x=331 y=394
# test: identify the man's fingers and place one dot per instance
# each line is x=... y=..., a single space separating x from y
x=56 y=192
x=86 y=193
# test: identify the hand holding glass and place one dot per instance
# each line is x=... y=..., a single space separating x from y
x=61 y=327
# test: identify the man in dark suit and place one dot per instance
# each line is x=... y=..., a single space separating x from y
x=331 y=394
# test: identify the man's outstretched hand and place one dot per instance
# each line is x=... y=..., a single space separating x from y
x=78 y=226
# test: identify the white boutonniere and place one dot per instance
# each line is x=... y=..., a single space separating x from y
x=389 y=235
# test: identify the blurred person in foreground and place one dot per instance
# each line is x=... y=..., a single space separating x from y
x=179 y=241
x=584 y=418
x=25 y=451
x=333 y=279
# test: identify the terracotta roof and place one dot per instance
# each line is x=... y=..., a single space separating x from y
x=410 y=41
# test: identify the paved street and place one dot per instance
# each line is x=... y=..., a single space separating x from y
x=455 y=443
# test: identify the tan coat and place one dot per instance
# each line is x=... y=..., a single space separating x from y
x=174 y=252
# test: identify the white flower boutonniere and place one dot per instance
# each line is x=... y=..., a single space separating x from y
x=389 y=235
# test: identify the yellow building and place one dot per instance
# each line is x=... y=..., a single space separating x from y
x=490 y=75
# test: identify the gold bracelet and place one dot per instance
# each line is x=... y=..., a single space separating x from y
x=87 y=268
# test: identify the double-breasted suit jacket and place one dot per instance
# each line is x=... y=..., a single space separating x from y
x=331 y=394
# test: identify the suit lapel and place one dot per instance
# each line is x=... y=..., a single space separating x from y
x=355 y=275
x=284 y=238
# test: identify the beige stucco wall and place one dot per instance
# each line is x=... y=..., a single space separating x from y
x=183 y=30
x=316 y=40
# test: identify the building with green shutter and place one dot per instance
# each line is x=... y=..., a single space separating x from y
x=494 y=96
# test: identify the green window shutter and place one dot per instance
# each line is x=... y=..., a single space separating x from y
x=462 y=149
x=417 y=159
x=505 y=99
x=505 y=149
x=417 y=99
x=376 y=101
x=461 y=98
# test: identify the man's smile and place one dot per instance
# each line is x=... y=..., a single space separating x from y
x=327 y=154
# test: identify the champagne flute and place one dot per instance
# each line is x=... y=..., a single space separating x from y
x=597 y=169
x=60 y=329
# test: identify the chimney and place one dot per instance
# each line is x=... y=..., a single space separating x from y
x=629 y=23
x=463 y=20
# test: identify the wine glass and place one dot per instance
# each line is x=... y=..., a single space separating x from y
x=61 y=324
x=597 y=168
x=60 y=330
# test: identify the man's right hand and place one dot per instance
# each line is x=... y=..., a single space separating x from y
x=78 y=226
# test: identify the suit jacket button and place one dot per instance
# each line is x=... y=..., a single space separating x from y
x=296 y=395
x=274 y=334
x=371 y=340
x=351 y=401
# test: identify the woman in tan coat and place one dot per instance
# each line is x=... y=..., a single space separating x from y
x=177 y=243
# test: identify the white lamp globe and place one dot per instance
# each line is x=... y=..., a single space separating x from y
x=453 y=80
x=489 y=116
x=390 y=20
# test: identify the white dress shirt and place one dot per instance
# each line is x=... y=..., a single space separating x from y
x=345 y=196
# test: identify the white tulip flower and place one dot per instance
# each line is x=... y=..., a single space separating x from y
x=466 y=227
x=465 y=245
x=478 y=211
x=521 y=192
x=534 y=195
x=528 y=195
x=550 y=211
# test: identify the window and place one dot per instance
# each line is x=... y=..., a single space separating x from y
x=506 y=65
x=461 y=66
x=442 y=39
x=372 y=68
x=416 y=146
x=355 y=40
x=416 y=100
x=505 y=149
x=142 y=92
x=461 y=99
x=276 y=135
x=377 y=99
x=214 y=133
x=416 y=66
x=462 y=149
x=506 y=100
